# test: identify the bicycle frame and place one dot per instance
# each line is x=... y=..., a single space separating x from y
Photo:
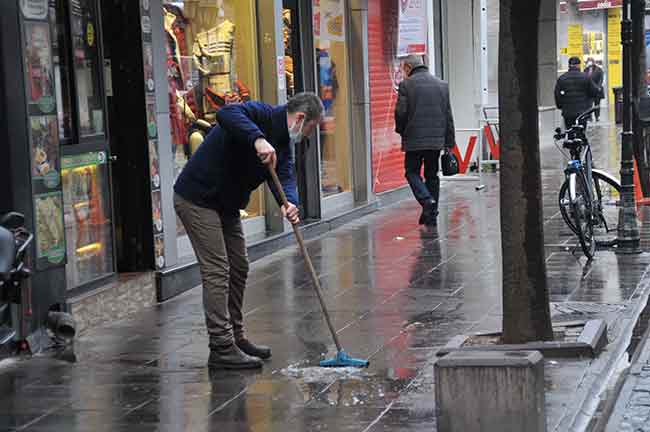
x=575 y=167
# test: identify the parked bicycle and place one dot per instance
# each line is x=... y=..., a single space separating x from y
x=589 y=198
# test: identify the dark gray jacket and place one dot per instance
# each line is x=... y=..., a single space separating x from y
x=423 y=114
x=574 y=93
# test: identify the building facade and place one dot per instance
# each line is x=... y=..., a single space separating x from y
x=105 y=101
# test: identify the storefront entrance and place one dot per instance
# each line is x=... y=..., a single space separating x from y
x=298 y=45
x=83 y=134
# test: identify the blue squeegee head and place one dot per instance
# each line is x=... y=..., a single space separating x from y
x=342 y=359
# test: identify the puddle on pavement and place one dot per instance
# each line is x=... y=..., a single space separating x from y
x=322 y=375
x=6 y=363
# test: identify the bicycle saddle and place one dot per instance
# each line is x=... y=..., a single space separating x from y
x=7 y=252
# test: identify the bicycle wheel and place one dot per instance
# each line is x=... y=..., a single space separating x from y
x=582 y=215
x=608 y=197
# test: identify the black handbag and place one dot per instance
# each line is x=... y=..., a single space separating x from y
x=449 y=163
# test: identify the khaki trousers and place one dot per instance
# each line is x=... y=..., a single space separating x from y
x=220 y=248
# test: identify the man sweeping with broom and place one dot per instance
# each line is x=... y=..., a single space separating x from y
x=215 y=184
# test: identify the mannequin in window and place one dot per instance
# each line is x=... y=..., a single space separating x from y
x=181 y=106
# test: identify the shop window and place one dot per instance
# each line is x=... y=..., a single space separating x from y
x=211 y=62
x=87 y=64
x=61 y=71
x=288 y=34
x=86 y=209
x=332 y=74
x=77 y=70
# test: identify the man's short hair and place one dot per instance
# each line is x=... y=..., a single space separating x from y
x=574 y=61
x=413 y=60
x=308 y=103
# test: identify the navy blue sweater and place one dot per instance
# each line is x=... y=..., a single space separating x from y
x=225 y=169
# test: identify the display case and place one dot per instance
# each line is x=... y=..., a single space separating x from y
x=87 y=218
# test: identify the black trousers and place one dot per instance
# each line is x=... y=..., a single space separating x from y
x=597 y=105
x=429 y=189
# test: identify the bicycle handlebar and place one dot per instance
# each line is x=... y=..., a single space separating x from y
x=586 y=114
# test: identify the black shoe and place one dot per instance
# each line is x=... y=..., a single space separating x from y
x=251 y=349
x=231 y=357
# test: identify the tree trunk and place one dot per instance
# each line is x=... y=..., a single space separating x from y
x=526 y=315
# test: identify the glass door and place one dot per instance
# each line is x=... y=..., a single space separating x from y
x=85 y=171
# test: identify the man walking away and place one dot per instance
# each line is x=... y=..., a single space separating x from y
x=215 y=184
x=595 y=74
x=574 y=93
x=424 y=119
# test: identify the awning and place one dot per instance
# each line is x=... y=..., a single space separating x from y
x=598 y=4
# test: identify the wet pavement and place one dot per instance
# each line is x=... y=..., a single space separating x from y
x=397 y=293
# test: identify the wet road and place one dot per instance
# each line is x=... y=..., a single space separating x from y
x=397 y=293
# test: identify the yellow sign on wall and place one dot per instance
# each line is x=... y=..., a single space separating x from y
x=615 y=51
x=575 y=43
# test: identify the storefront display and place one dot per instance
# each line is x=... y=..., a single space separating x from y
x=87 y=216
x=332 y=75
x=287 y=35
x=592 y=30
x=211 y=62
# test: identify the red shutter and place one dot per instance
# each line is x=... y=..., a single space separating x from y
x=387 y=157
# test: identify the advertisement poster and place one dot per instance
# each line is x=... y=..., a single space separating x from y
x=147 y=52
x=154 y=165
x=50 y=235
x=614 y=51
x=156 y=207
x=412 y=32
x=152 y=132
x=152 y=125
x=38 y=62
x=45 y=150
x=329 y=20
x=159 y=250
x=34 y=9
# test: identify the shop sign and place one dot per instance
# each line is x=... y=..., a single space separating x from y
x=598 y=4
x=90 y=34
x=34 y=9
x=412 y=28
x=83 y=160
x=282 y=80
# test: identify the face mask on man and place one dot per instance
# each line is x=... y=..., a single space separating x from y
x=295 y=133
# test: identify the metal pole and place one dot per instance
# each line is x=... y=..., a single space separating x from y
x=628 y=229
